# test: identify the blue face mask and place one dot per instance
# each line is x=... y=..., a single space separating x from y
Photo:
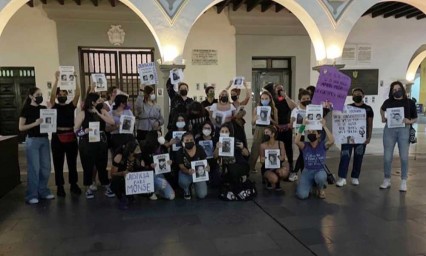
x=265 y=102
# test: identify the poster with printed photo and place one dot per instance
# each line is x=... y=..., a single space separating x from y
x=263 y=115
x=49 y=117
x=350 y=125
x=314 y=117
x=94 y=132
x=238 y=82
x=148 y=73
x=298 y=114
x=161 y=164
x=227 y=148
x=100 y=82
x=127 y=124
x=201 y=173
x=218 y=117
x=66 y=78
x=395 y=117
x=207 y=145
x=177 y=135
x=272 y=159
x=176 y=76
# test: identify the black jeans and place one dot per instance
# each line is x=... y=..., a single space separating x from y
x=300 y=162
x=118 y=186
x=287 y=138
x=59 y=151
x=94 y=154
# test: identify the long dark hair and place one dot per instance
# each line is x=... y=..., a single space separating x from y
x=175 y=121
x=91 y=97
x=150 y=144
x=31 y=91
x=230 y=128
x=393 y=84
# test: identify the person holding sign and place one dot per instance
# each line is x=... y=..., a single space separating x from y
x=64 y=142
x=148 y=113
x=391 y=136
x=221 y=112
x=206 y=140
x=273 y=176
x=179 y=101
x=265 y=100
x=210 y=99
x=358 y=149
x=93 y=154
x=314 y=153
x=37 y=148
x=120 y=108
x=188 y=153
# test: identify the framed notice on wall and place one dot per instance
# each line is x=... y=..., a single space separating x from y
x=204 y=57
x=366 y=79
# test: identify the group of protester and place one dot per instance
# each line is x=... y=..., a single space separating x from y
x=209 y=120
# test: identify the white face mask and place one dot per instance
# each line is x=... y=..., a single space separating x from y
x=207 y=132
x=180 y=124
x=161 y=140
x=224 y=134
x=152 y=96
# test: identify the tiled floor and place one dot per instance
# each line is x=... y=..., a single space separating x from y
x=350 y=221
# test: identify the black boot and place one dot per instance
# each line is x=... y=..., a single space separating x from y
x=75 y=189
x=61 y=191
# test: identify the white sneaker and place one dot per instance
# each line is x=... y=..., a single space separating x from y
x=403 y=187
x=89 y=194
x=33 y=201
x=355 y=181
x=49 y=197
x=341 y=182
x=386 y=184
x=108 y=192
x=293 y=177
x=93 y=187
x=153 y=197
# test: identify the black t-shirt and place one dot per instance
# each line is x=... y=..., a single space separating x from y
x=205 y=103
x=410 y=110
x=65 y=115
x=284 y=111
x=92 y=117
x=185 y=159
x=31 y=114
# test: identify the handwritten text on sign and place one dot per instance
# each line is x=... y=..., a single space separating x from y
x=139 y=183
x=349 y=126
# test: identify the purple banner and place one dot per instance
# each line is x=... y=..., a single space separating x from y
x=332 y=87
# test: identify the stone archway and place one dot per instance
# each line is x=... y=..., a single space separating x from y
x=415 y=62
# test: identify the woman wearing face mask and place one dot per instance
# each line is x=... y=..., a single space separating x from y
x=297 y=116
x=148 y=113
x=221 y=112
x=37 y=148
x=119 y=109
x=314 y=153
x=188 y=153
x=93 y=154
x=64 y=141
x=265 y=100
x=235 y=95
x=179 y=101
x=391 y=136
x=154 y=145
x=207 y=136
x=273 y=176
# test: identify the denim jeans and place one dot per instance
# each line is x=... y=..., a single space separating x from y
x=163 y=188
x=38 y=171
x=345 y=158
x=391 y=136
x=307 y=179
x=185 y=181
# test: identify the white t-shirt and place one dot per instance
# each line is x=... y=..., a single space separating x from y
x=219 y=115
x=298 y=114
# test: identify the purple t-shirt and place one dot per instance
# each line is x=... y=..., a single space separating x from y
x=314 y=157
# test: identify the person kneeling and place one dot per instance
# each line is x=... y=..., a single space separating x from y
x=314 y=153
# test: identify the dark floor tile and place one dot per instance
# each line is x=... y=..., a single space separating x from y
x=245 y=244
x=311 y=236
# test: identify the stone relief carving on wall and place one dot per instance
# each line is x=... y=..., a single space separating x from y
x=171 y=8
x=116 y=35
x=336 y=7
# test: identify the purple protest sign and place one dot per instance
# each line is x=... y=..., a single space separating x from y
x=332 y=86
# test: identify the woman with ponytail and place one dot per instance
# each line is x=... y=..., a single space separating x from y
x=37 y=148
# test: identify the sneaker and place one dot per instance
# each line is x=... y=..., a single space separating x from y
x=355 y=181
x=293 y=177
x=108 y=192
x=269 y=186
x=75 y=189
x=153 y=197
x=33 y=201
x=403 y=187
x=187 y=196
x=386 y=184
x=49 y=197
x=93 y=187
x=341 y=182
x=60 y=191
x=278 y=187
x=89 y=194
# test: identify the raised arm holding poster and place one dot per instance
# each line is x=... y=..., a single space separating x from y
x=49 y=117
x=332 y=87
x=176 y=76
x=66 y=78
x=148 y=73
x=238 y=82
x=350 y=125
x=100 y=81
x=313 y=116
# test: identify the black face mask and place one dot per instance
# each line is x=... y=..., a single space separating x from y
x=305 y=103
x=234 y=98
x=224 y=99
x=357 y=98
x=189 y=145
x=38 y=100
x=312 y=137
x=266 y=137
x=99 y=107
x=397 y=94
x=62 y=99
x=183 y=92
